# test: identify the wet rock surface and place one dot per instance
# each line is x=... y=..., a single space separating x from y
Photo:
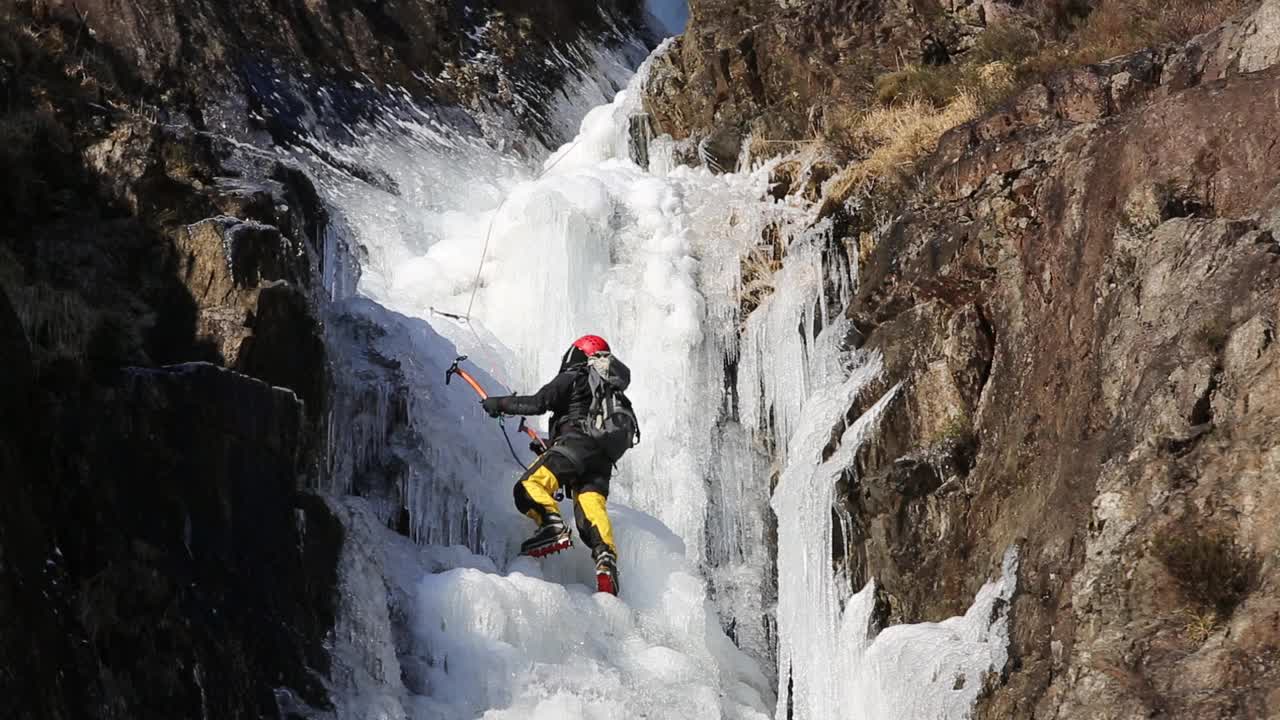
x=180 y=572
x=1079 y=291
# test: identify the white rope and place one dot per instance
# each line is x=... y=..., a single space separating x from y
x=484 y=253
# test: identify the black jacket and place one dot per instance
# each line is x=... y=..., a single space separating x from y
x=567 y=397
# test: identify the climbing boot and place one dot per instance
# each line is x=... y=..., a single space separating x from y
x=606 y=572
x=552 y=536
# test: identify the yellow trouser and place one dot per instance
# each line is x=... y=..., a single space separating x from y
x=540 y=486
x=535 y=497
x=593 y=522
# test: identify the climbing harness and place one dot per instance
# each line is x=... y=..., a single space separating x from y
x=524 y=428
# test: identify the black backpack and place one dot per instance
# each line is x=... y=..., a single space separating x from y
x=610 y=421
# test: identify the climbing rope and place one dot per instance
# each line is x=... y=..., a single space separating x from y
x=502 y=426
x=465 y=319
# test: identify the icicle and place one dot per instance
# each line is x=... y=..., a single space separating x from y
x=809 y=597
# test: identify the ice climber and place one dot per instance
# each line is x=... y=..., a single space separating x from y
x=592 y=425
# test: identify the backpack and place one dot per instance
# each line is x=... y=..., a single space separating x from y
x=610 y=420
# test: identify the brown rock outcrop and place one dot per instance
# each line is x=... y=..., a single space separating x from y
x=1119 y=255
x=781 y=72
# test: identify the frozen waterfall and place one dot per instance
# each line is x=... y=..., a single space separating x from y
x=454 y=625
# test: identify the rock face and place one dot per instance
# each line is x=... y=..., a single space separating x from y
x=181 y=574
x=1080 y=296
x=247 y=67
x=780 y=72
x=159 y=558
x=1109 y=430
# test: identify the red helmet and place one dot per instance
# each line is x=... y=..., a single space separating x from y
x=591 y=344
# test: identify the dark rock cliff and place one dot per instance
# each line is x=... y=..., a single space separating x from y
x=163 y=275
x=1079 y=290
x=285 y=68
x=158 y=559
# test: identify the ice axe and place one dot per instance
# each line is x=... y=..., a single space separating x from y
x=455 y=370
x=524 y=428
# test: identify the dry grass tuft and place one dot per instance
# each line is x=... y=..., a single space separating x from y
x=1200 y=624
x=920 y=103
x=1121 y=26
x=892 y=139
x=987 y=71
x=758 y=268
x=887 y=141
x=900 y=134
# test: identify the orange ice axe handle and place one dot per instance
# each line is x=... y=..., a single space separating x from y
x=524 y=428
x=455 y=370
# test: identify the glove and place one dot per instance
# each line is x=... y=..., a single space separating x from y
x=492 y=405
x=536 y=447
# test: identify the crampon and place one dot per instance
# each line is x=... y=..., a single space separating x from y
x=551 y=538
x=606 y=574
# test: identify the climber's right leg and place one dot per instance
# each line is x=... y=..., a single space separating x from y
x=535 y=497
